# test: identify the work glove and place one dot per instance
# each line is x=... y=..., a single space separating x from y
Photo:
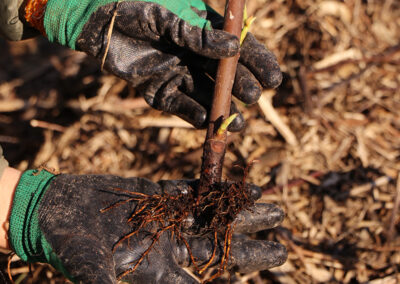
x=63 y=220
x=167 y=49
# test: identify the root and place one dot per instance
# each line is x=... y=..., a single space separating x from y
x=9 y=267
x=213 y=254
x=214 y=215
x=146 y=252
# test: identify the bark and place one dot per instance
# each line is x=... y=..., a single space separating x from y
x=215 y=144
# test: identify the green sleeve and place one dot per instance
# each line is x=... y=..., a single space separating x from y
x=64 y=20
x=26 y=238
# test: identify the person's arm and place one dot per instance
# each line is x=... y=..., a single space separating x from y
x=8 y=182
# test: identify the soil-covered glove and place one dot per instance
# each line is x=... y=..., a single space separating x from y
x=57 y=219
x=166 y=48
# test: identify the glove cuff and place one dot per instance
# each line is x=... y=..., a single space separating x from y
x=64 y=20
x=25 y=236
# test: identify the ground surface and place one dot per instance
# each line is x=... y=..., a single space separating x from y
x=327 y=141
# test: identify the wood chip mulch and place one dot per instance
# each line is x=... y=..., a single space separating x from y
x=325 y=144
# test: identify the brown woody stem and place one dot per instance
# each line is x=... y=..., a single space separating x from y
x=215 y=144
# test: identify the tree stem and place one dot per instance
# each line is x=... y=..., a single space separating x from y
x=215 y=145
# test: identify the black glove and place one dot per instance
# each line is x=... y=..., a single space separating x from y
x=168 y=59
x=165 y=49
x=78 y=239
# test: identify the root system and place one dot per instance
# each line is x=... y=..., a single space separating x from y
x=167 y=213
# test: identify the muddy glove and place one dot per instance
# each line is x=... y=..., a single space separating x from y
x=165 y=48
x=57 y=219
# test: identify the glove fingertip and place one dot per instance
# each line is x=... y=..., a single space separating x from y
x=255 y=191
x=278 y=255
x=237 y=124
x=252 y=255
x=230 y=44
x=278 y=215
x=218 y=44
x=261 y=62
x=199 y=119
x=274 y=78
x=261 y=216
x=250 y=93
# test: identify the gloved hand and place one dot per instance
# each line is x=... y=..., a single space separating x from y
x=57 y=219
x=165 y=48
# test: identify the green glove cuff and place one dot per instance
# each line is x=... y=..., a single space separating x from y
x=26 y=238
x=64 y=20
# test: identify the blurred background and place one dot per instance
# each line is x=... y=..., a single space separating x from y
x=326 y=143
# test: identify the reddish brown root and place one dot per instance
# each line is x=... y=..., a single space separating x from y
x=156 y=237
x=194 y=263
x=9 y=267
x=215 y=214
x=213 y=254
